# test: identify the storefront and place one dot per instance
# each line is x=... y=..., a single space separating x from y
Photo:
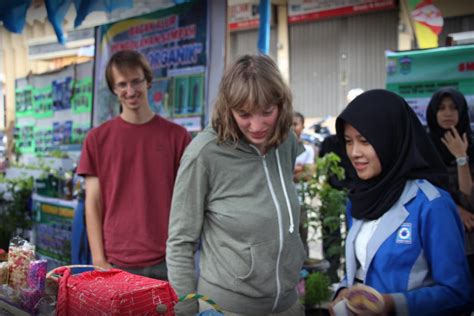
x=336 y=47
x=330 y=50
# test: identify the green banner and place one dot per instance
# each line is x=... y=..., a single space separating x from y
x=52 y=227
x=416 y=75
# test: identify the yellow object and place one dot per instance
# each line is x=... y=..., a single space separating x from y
x=425 y=37
x=195 y=296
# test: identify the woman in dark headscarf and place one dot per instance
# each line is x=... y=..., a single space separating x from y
x=448 y=111
x=450 y=131
x=406 y=239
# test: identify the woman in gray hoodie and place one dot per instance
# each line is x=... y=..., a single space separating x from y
x=234 y=193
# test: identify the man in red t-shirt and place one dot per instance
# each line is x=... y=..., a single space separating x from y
x=130 y=164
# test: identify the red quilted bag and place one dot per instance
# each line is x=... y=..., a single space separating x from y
x=112 y=292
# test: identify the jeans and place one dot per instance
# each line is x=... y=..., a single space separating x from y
x=158 y=271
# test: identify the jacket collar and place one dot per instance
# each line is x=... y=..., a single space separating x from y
x=388 y=224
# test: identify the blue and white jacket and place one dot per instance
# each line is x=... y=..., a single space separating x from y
x=416 y=253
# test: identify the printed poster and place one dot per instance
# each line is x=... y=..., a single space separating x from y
x=174 y=41
x=53 y=110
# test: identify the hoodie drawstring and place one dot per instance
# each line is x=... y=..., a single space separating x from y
x=288 y=205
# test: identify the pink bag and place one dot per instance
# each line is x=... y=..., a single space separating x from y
x=112 y=292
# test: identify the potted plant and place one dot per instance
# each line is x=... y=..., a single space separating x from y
x=325 y=207
x=317 y=292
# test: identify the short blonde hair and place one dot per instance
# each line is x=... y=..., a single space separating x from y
x=251 y=84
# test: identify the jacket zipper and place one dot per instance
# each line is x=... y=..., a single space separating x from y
x=280 y=229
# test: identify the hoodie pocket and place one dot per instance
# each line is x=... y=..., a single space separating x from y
x=260 y=281
x=291 y=262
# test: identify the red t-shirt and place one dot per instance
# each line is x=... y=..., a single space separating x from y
x=136 y=166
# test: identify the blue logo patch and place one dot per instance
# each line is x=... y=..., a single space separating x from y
x=404 y=234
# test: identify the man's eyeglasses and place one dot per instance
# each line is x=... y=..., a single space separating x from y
x=134 y=84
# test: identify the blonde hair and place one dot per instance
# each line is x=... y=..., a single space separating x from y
x=252 y=84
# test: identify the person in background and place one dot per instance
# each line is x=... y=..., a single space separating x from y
x=450 y=130
x=331 y=144
x=304 y=165
x=234 y=193
x=130 y=164
x=80 y=250
x=406 y=238
x=304 y=169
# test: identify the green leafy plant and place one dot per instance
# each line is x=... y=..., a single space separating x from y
x=317 y=289
x=325 y=207
x=14 y=209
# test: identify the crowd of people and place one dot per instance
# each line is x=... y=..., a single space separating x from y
x=155 y=198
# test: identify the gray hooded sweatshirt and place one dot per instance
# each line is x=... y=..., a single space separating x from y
x=244 y=208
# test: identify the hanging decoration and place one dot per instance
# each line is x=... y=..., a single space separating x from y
x=13 y=14
x=428 y=22
x=57 y=10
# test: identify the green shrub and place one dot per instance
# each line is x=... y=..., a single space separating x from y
x=325 y=207
x=317 y=289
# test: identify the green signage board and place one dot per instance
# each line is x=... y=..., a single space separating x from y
x=52 y=227
x=416 y=75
